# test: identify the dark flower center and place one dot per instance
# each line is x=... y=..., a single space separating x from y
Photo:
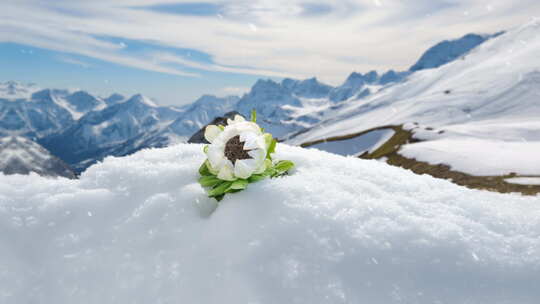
x=234 y=150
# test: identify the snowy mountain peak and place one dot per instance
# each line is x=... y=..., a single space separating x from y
x=308 y=88
x=356 y=77
x=141 y=99
x=81 y=101
x=449 y=50
x=390 y=76
x=264 y=84
x=352 y=86
x=289 y=83
x=371 y=76
x=19 y=155
x=114 y=98
x=45 y=95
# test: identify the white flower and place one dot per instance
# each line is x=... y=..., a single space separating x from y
x=236 y=151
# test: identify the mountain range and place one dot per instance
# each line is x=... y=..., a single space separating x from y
x=81 y=128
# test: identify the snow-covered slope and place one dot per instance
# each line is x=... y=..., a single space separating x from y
x=19 y=155
x=486 y=104
x=137 y=230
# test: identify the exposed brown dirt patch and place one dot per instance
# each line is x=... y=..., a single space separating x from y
x=389 y=151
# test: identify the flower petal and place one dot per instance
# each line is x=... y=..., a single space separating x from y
x=260 y=169
x=257 y=143
x=244 y=168
x=237 y=119
x=258 y=155
x=212 y=169
x=249 y=139
x=246 y=126
x=226 y=172
x=211 y=132
x=216 y=156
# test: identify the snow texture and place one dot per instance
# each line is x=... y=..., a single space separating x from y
x=479 y=157
x=524 y=180
x=138 y=229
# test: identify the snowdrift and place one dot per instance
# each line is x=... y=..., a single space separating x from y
x=140 y=229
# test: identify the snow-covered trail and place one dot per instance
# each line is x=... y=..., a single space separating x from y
x=338 y=230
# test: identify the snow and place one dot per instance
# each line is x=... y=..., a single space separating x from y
x=138 y=229
x=524 y=180
x=478 y=157
x=487 y=100
x=356 y=146
x=145 y=100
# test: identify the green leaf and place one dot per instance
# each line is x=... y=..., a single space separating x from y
x=240 y=184
x=256 y=177
x=254 y=115
x=267 y=139
x=209 y=181
x=220 y=189
x=203 y=169
x=284 y=166
x=271 y=148
x=269 y=172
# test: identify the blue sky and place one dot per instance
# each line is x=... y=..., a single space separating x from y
x=175 y=50
x=49 y=68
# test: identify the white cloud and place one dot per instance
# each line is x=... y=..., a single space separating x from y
x=261 y=37
x=74 y=61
